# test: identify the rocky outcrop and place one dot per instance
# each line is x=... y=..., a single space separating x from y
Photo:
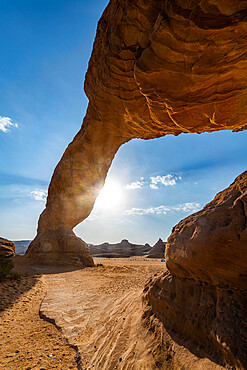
x=124 y=249
x=157 y=67
x=60 y=247
x=158 y=250
x=211 y=245
x=7 y=248
x=203 y=296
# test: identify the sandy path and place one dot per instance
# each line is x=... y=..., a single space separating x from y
x=100 y=311
x=27 y=341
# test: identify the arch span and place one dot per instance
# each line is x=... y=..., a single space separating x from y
x=157 y=67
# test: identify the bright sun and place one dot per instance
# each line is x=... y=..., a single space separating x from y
x=111 y=196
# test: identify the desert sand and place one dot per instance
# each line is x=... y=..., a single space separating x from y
x=26 y=340
x=87 y=318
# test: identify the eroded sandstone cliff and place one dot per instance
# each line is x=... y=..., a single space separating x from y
x=203 y=296
x=211 y=245
x=157 y=67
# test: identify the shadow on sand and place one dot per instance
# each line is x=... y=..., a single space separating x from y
x=11 y=289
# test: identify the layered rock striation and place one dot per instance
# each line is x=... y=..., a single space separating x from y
x=7 y=248
x=157 y=67
x=203 y=296
x=158 y=250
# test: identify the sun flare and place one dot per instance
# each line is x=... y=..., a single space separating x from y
x=110 y=197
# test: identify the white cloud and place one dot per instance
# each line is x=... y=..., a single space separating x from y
x=184 y=207
x=187 y=207
x=154 y=182
x=141 y=211
x=135 y=185
x=6 y=123
x=167 y=180
x=39 y=195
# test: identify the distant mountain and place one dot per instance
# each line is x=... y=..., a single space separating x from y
x=122 y=249
x=158 y=250
x=21 y=246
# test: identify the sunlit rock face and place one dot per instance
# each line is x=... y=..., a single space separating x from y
x=204 y=294
x=157 y=67
x=211 y=245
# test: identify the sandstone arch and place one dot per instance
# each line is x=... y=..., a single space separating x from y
x=157 y=68
x=163 y=67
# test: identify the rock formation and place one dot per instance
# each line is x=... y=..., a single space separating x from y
x=157 y=67
x=158 y=250
x=163 y=67
x=122 y=249
x=211 y=245
x=204 y=295
x=7 y=248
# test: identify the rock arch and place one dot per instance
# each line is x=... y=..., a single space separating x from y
x=157 y=68
x=162 y=67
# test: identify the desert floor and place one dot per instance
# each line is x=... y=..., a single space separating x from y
x=85 y=319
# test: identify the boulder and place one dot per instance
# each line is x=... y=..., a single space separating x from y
x=7 y=248
x=211 y=245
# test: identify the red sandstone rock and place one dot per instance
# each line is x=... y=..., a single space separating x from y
x=211 y=245
x=7 y=248
x=157 y=67
x=204 y=296
x=210 y=320
x=60 y=247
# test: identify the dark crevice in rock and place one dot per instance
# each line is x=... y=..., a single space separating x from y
x=46 y=318
x=214 y=19
x=244 y=215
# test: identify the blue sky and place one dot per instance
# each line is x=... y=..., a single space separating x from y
x=45 y=50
